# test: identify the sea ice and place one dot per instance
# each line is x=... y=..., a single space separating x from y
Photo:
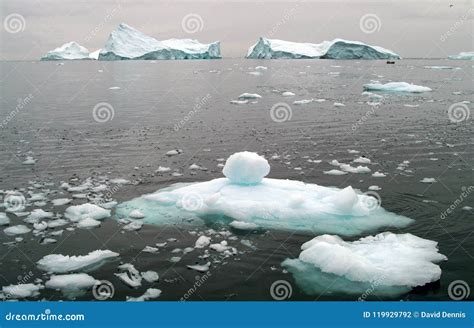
x=247 y=95
x=396 y=87
x=130 y=276
x=61 y=201
x=4 y=220
x=80 y=212
x=388 y=264
x=16 y=230
x=88 y=223
x=150 y=276
x=202 y=242
x=21 y=290
x=428 y=180
x=71 y=284
x=59 y=263
x=245 y=195
x=336 y=49
x=150 y=293
x=463 y=56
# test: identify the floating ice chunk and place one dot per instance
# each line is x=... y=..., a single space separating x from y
x=338 y=104
x=396 y=87
x=71 y=284
x=269 y=203
x=136 y=214
x=61 y=201
x=29 y=161
x=114 y=88
x=288 y=94
x=150 y=276
x=130 y=276
x=467 y=208
x=247 y=95
x=362 y=160
x=246 y=168
x=163 y=169
x=374 y=188
x=150 y=293
x=46 y=241
x=40 y=226
x=303 y=101
x=334 y=172
x=16 y=230
x=378 y=175
x=174 y=152
x=351 y=169
x=128 y=43
x=88 y=223
x=4 y=220
x=428 y=180
x=200 y=267
x=22 y=290
x=68 y=51
x=59 y=263
x=120 y=181
x=261 y=68
x=239 y=102
x=57 y=223
x=388 y=263
x=133 y=226
x=202 y=242
x=37 y=215
x=463 y=56
x=240 y=225
x=336 y=49
x=150 y=249
x=81 y=212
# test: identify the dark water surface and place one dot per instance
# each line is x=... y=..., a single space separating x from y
x=185 y=105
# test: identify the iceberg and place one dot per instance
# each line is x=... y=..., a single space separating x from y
x=128 y=43
x=246 y=195
x=387 y=264
x=463 y=56
x=336 y=49
x=59 y=263
x=68 y=51
x=396 y=87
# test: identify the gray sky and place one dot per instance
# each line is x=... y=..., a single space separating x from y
x=412 y=28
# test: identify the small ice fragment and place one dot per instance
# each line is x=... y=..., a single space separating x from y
x=396 y=87
x=374 y=188
x=150 y=276
x=4 y=220
x=150 y=249
x=133 y=226
x=163 y=169
x=334 y=172
x=61 y=201
x=136 y=214
x=88 y=223
x=241 y=225
x=288 y=94
x=338 y=104
x=29 y=161
x=200 y=267
x=59 y=263
x=378 y=174
x=303 y=101
x=239 y=102
x=362 y=160
x=16 y=230
x=174 y=152
x=22 y=290
x=428 y=180
x=247 y=95
x=202 y=242
x=87 y=210
x=70 y=282
x=150 y=293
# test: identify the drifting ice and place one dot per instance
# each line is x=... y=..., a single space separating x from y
x=463 y=56
x=336 y=49
x=246 y=195
x=128 y=43
x=385 y=264
x=59 y=263
x=396 y=87
x=68 y=51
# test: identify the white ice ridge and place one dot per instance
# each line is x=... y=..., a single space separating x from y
x=396 y=87
x=59 y=263
x=463 y=56
x=335 y=49
x=247 y=196
x=388 y=263
x=128 y=43
x=68 y=51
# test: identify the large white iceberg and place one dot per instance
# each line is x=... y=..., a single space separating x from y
x=463 y=56
x=396 y=87
x=385 y=264
x=336 y=49
x=68 y=51
x=128 y=43
x=246 y=195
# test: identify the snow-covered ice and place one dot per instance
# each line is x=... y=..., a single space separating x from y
x=396 y=87
x=388 y=263
x=59 y=263
x=125 y=42
x=246 y=195
x=336 y=49
x=68 y=51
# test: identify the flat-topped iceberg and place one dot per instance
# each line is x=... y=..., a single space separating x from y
x=463 y=56
x=246 y=195
x=128 y=43
x=396 y=87
x=385 y=264
x=68 y=51
x=336 y=49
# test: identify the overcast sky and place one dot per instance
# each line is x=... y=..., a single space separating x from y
x=412 y=28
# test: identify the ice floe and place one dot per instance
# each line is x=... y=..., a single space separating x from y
x=4 y=220
x=59 y=263
x=336 y=49
x=396 y=87
x=469 y=55
x=80 y=212
x=71 y=285
x=150 y=293
x=246 y=195
x=385 y=264
x=21 y=290
x=16 y=230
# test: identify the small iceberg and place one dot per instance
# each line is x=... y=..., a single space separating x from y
x=21 y=290
x=246 y=195
x=71 y=285
x=387 y=264
x=336 y=49
x=396 y=87
x=463 y=56
x=59 y=263
x=68 y=51
x=128 y=43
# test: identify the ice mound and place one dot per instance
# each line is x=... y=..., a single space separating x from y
x=246 y=196
x=385 y=264
x=59 y=263
x=336 y=49
x=68 y=51
x=463 y=56
x=128 y=43
x=396 y=87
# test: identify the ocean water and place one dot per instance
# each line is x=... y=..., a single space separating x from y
x=67 y=117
